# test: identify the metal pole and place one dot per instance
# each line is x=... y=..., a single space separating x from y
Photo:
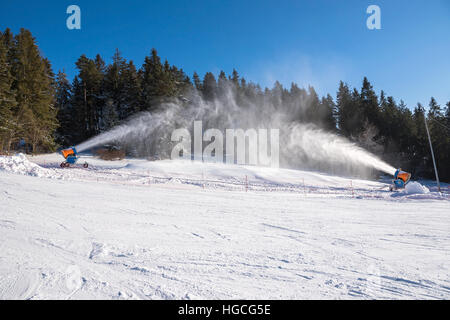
x=432 y=153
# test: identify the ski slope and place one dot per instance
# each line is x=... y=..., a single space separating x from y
x=135 y=229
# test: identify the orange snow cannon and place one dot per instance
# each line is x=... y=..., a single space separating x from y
x=401 y=178
x=71 y=156
x=68 y=152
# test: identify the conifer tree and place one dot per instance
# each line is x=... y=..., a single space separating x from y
x=183 y=85
x=345 y=109
x=234 y=78
x=420 y=148
x=65 y=114
x=8 y=40
x=91 y=100
x=275 y=95
x=369 y=104
x=8 y=125
x=209 y=87
x=328 y=113
x=197 y=82
x=79 y=119
x=313 y=111
x=114 y=93
x=34 y=93
x=157 y=83
x=445 y=168
x=438 y=132
x=222 y=85
x=131 y=91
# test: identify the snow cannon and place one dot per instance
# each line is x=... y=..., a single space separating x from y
x=401 y=178
x=71 y=156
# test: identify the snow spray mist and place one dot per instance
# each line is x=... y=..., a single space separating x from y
x=301 y=145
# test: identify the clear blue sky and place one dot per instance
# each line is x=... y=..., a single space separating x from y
x=309 y=42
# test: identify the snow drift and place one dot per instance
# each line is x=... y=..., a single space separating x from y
x=21 y=165
x=416 y=188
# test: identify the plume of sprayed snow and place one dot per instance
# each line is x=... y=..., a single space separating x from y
x=310 y=143
x=301 y=145
x=140 y=130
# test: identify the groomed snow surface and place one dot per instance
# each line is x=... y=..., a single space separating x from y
x=135 y=229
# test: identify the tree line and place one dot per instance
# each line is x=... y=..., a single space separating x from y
x=42 y=111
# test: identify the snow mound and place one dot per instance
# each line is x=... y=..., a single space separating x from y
x=417 y=191
x=415 y=188
x=21 y=165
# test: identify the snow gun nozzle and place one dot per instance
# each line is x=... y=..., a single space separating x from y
x=69 y=152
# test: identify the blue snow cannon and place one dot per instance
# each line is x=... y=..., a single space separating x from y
x=71 y=156
x=401 y=178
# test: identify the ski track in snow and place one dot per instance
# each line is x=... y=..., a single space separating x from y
x=134 y=229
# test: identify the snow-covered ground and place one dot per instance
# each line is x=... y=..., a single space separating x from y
x=184 y=230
